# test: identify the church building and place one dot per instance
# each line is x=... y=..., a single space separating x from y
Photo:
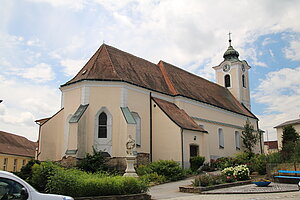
x=172 y=114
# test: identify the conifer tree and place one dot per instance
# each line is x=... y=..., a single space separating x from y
x=249 y=137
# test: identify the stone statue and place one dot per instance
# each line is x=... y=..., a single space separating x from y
x=130 y=144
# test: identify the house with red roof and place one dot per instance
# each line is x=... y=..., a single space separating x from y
x=15 y=151
x=172 y=114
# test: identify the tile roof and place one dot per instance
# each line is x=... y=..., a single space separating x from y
x=111 y=64
x=178 y=116
x=271 y=144
x=16 y=145
x=291 y=122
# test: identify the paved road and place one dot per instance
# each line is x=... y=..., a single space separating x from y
x=266 y=196
x=170 y=191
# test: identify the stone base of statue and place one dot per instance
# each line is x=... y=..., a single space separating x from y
x=130 y=171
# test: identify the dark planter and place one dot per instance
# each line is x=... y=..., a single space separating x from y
x=262 y=183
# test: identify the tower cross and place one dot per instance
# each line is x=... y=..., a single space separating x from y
x=229 y=34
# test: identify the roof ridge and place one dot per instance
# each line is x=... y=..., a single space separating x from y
x=167 y=78
x=109 y=58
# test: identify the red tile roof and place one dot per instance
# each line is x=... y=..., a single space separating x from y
x=178 y=116
x=16 y=145
x=111 y=64
x=271 y=144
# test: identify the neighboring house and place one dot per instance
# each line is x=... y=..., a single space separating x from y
x=15 y=151
x=171 y=113
x=279 y=129
x=270 y=147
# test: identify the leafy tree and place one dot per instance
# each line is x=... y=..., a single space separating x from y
x=249 y=138
x=290 y=138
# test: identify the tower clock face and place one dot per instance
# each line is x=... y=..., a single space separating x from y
x=226 y=68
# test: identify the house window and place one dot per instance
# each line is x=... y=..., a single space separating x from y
x=237 y=140
x=102 y=129
x=221 y=138
x=243 y=81
x=194 y=150
x=227 y=80
x=138 y=129
x=15 y=165
x=23 y=162
x=5 y=164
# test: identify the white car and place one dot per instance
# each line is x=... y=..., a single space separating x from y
x=14 y=188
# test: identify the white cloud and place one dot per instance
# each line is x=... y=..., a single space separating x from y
x=23 y=103
x=293 y=51
x=280 y=93
x=71 y=66
x=40 y=73
x=72 y=4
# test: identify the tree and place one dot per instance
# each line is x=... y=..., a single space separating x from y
x=249 y=138
x=290 y=138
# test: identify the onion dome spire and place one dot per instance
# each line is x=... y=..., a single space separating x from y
x=231 y=53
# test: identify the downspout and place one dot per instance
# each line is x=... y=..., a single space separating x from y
x=182 y=158
x=261 y=149
x=150 y=100
x=38 y=147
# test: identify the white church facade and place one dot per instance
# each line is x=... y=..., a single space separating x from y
x=171 y=113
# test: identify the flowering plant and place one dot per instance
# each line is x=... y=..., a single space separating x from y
x=241 y=172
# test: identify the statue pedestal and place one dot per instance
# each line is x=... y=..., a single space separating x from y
x=130 y=171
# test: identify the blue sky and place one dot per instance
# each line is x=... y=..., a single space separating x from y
x=43 y=43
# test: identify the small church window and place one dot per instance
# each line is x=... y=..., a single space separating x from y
x=237 y=140
x=102 y=130
x=243 y=81
x=227 y=80
x=221 y=138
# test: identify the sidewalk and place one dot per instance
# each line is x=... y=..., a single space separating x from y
x=170 y=190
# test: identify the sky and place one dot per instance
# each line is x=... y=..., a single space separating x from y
x=44 y=43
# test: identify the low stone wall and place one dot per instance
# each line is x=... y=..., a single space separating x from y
x=142 y=196
x=191 y=189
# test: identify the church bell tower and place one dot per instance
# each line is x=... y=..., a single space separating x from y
x=232 y=73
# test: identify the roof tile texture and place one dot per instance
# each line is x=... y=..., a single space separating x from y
x=16 y=145
x=177 y=115
x=111 y=64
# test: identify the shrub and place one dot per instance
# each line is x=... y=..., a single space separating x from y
x=241 y=172
x=274 y=158
x=167 y=168
x=93 y=163
x=259 y=164
x=228 y=171
x=222 y=163
x=196 y=162
x=76 y=183
x=26 y=171
x=41 y=174
x=153 y=178
x=202 y=180
x=207 y=180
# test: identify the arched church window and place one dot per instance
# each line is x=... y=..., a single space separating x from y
x=227 y=80
x=243 y=81
x=102 y=123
